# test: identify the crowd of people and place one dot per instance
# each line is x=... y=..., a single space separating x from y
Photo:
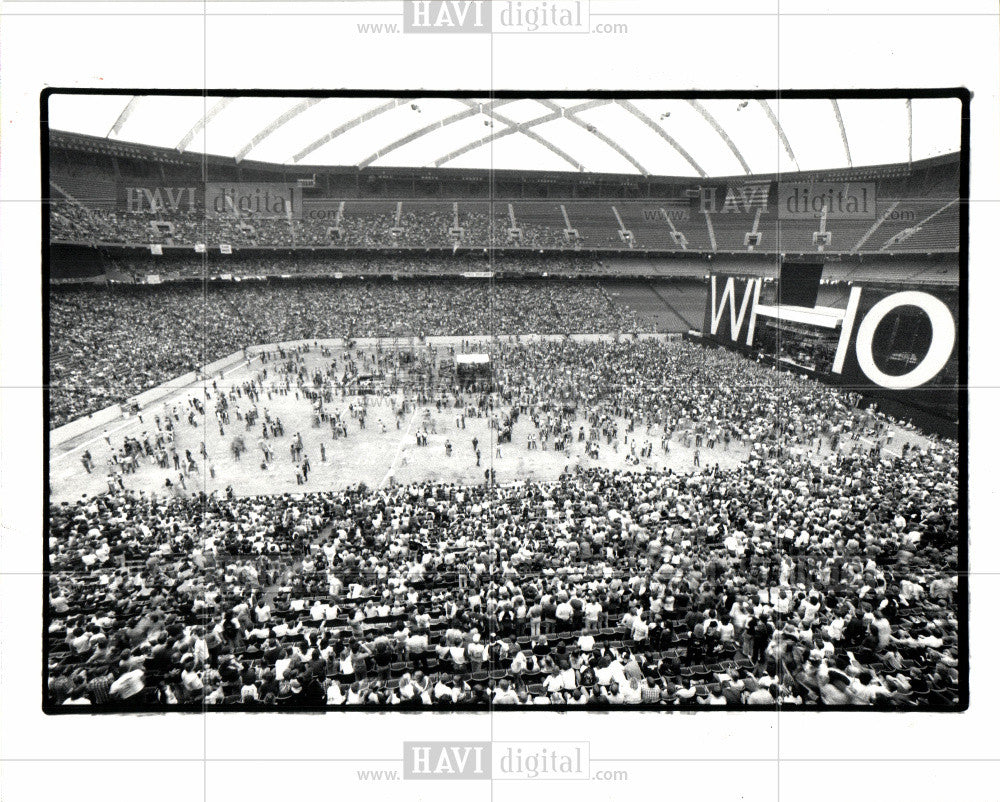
x=820 y=570
x=357 y=227
x=74 y=222
x=108 y=345
x=496 y=231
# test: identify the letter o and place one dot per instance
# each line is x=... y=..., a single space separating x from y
x=942 y=340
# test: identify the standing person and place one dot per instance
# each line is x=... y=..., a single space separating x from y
x=761 y=638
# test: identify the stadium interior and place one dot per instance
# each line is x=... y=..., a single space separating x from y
x=383 y=434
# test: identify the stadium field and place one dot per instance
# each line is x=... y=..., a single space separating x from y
x=382 y=452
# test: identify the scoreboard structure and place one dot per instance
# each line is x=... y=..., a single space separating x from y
x=897 y=347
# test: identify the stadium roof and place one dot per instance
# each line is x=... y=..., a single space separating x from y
x=675 y=137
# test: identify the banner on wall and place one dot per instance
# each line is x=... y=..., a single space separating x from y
x=887 y=341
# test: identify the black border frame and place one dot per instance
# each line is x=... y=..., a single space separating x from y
x=960 y=93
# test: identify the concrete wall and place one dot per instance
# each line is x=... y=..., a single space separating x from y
x=105 y=417
x=480 y=339
x=96 y=420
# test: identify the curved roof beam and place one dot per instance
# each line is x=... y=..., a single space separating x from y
x=126 y=113
x=843 y=131
x=413 y=136
x=275 y=124
x=513 y=128
x=570 y=114
x=634 y=110
x=781 y=131
x=478 y=143
x=722 y=133
x=209 y=115
x=368 y=115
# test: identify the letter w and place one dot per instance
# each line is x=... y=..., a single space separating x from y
x=729 y=296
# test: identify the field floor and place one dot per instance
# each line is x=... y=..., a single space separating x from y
x=384 y=450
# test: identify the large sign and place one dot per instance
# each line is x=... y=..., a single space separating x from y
x=871 y=328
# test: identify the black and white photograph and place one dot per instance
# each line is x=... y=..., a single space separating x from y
x=449 y=398
x=677 y=427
